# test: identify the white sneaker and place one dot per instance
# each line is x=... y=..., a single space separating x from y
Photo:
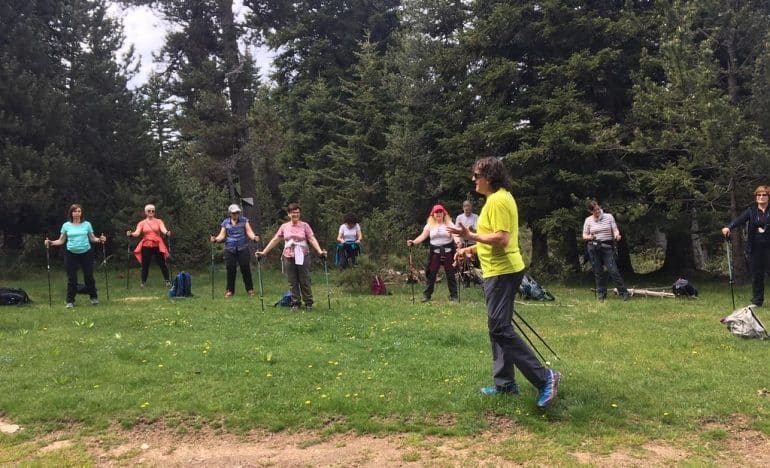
x=70 y=305
x=94 y=301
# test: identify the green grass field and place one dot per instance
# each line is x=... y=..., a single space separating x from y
x=648 y=369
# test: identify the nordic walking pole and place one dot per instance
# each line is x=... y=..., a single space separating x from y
x=48 y=269
x=128 y=258
x=411 y=277
x=104 y=267
x=170 y=271
x=521 y=330
x=729 y=249
x=259 y=277
x=536 y=333
x=212 y=270
x=328 y=290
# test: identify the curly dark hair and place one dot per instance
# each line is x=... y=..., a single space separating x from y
x=350 y=218
x=494 y=171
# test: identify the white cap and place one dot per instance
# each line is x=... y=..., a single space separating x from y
x=234 y=208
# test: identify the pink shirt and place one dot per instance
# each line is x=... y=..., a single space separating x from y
x=295 y=232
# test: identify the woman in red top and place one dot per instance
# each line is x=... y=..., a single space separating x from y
x=151 y=245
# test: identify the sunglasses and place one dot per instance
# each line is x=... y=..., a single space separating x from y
x=761 y=194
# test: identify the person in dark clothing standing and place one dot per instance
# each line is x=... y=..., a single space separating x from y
x=757 y=221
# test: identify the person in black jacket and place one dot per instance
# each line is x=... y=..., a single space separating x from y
x=757 y=219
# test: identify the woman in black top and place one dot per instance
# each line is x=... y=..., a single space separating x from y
x=757 y=219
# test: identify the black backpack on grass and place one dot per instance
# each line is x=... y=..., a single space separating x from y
x=13 y=296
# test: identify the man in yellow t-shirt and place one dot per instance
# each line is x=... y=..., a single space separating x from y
x=497 y=246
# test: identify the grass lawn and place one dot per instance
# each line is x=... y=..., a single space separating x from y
x=649 y=369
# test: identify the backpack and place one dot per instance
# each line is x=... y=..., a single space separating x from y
x=181 y=286
x=529 y=289
x=285 y=300
x=745 y=324
x=682 y=287
x=13 y=296
x=378 y=286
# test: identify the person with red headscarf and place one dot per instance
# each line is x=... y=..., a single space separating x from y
x=152 y=245
x=443 y=245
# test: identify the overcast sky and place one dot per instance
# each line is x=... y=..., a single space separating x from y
x=146 y=32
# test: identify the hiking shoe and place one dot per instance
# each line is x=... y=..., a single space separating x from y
x=94 y=301
x=142 y=285
x=294 y=308
x=548 y=393
x=510 y=389
x=308 y=306
x=425 y=299
x=228 y=293
x=250 y=292
x=168 y=283
x=70 y=305
x=454 y=299
x=626 y=296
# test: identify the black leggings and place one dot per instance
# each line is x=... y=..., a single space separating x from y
x=147 y=254
x=71 y=263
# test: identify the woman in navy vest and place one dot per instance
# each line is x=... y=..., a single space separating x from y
x=236 y=233
x=756 y=218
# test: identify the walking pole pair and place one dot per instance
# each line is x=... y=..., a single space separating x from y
x=729 y=249
x=516 y=314
x=48 y=269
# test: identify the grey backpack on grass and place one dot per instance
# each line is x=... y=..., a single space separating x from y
x=744 y=323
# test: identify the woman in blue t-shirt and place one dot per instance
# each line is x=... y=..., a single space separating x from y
x=78 y=235
x=236 y=233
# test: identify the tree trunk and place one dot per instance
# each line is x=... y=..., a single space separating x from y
x=539 y=248
x=740 y=269
x=571 y=251
x=237 y=81
x=700 y=256
x=679 y=256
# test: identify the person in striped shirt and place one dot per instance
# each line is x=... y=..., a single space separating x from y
x=601 y=232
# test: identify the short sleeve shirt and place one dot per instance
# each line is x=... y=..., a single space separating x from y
x=300 y=232
x=349 y=234
x=78 y=240
x=499 y=214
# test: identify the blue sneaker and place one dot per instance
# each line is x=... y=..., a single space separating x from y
x=548 y=393
x=510 y=389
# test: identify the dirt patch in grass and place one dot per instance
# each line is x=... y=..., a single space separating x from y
x=737 y=444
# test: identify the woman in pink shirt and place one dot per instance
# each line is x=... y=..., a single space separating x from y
x=151 y=246
x=298 y=238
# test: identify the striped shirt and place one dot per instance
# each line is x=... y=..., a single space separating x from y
x=602 y=228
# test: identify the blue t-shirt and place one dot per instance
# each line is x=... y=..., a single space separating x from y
x=235 y=233
x=78 y=240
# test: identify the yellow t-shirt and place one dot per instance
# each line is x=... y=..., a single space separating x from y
x=500 y=214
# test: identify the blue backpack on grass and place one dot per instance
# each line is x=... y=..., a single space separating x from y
x=285 y=300
x=181 y=286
